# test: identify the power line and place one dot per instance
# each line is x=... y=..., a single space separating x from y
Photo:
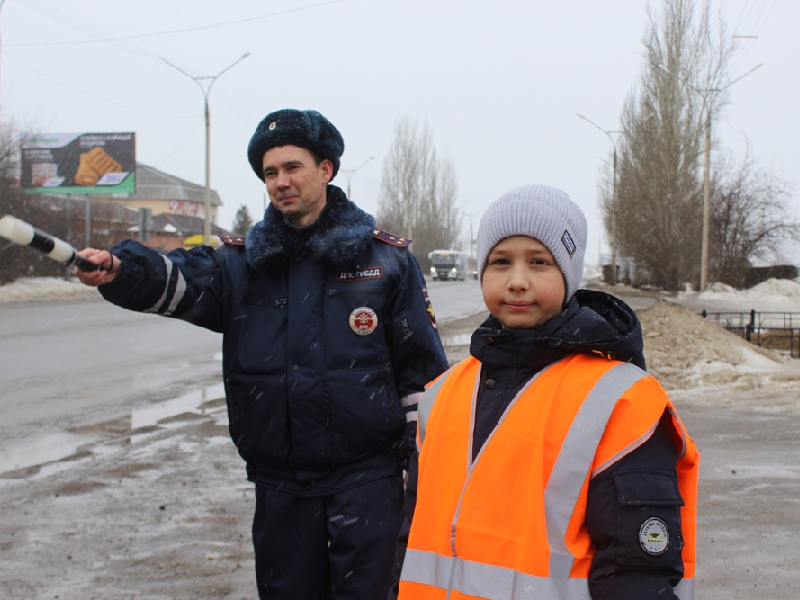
x=173 y=31
x=751 y=32
x=83 y=92
x=740 y=25
x=74 y=23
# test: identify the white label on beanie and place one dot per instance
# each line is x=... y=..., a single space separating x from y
x=566 y=239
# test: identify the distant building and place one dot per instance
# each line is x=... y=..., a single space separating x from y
x=164 y=193
x=177 y=207
x=170 y=231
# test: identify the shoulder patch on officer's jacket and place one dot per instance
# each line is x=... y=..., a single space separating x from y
x=429 y=307
x=233 y=240
x=390 y=238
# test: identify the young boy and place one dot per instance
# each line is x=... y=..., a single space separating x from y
x=551 y=464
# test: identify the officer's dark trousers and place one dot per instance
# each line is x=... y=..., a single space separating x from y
x=332 y=547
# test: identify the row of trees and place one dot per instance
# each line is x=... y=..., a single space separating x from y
x=654 y=214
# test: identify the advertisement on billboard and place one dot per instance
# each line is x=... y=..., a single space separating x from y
x=79 y=163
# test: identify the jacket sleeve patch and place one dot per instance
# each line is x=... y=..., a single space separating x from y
x=648 y=518
x=429 y=307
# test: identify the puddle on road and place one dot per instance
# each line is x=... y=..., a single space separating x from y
x=17 y=460
x=191 y=402
x=46 y=448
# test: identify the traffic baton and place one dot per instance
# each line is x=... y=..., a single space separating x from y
x=23 y=234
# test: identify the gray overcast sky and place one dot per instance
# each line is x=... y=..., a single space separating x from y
x=499 y=83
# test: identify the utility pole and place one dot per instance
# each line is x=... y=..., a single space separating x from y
x=610 y=135
x=206 y=90
x=471 y=238
x=350 y=172
x=705 y=94
x=1 y=8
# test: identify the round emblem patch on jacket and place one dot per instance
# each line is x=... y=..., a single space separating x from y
x=654 y=536
x=363 y=320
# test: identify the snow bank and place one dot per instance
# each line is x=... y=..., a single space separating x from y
x=685 y=351
x=40 y=289
x=770 y=292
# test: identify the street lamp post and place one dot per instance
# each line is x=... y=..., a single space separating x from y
x=471 y=238
x=206 y=90
x=610 y=135
x=704 y=94
x=350 y=172
x=1 y=4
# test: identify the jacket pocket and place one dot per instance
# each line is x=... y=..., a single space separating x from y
x=258 y=335
x=366 y=412
x=648 y=518
x=258 y=419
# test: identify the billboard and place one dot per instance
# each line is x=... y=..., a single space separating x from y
x=79 y=163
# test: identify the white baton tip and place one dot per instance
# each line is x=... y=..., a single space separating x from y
x=15 y=230
x=62 y=251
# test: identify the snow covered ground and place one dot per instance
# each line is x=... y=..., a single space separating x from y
x=157 y=506
x=44 y=289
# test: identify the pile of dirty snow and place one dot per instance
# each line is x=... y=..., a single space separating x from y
x=773 y=294
x=40 y=289
x=683 y=351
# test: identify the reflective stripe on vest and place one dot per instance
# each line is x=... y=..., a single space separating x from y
x=497 y=583
x=576 y=457
x=434 y=574
x=487 y=581
x=425 y=405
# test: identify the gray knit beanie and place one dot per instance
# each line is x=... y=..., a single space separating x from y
x=544 y=213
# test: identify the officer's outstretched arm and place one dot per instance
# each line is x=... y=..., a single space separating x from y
x=181 y=284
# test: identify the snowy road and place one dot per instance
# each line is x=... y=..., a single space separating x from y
x=64 y=366
x=67 y=366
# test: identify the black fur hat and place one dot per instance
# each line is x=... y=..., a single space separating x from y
x=302 y=128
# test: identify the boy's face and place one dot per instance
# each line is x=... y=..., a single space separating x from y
x=522 y=284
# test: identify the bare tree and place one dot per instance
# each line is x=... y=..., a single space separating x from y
x=750 y=220
x=656 y=214
x=18 y=262
x=418 y=191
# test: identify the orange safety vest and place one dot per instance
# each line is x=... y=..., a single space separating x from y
x=511 y=524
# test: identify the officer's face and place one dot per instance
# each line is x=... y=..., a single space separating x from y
x=296 y=183
x=522 y=285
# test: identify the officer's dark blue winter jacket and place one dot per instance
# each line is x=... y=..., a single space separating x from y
x=328 y=339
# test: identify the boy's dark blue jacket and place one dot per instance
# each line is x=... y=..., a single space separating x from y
x=593 y=322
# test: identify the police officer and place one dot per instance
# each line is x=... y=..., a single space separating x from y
x=328 y=341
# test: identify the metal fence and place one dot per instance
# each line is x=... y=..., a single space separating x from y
x=777 y=330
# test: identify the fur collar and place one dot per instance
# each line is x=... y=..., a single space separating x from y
x=338 y=237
